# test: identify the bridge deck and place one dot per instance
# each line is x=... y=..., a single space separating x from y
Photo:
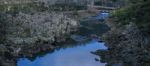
x=101 y=7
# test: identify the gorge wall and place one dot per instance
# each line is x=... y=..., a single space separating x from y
x=128 y=40
x=29 y=28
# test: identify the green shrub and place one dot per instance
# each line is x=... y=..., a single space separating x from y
x=137 y=13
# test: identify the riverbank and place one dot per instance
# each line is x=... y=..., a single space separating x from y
x=128 y=40
x=28 y=29
x=27 y=34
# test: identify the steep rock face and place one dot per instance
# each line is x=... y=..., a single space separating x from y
x=128 y=46
x=27 y=29
x=129 y=37
x=28 y=34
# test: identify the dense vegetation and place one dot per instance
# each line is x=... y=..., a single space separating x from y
x=30 y=26
x=129 y=37
x=138 y=13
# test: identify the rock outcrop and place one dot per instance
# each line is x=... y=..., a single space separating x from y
x=127 y=47
x=28 y=29
x=36 y=32
x=128 y=41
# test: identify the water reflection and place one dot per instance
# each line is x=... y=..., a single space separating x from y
x=102 y=15
x=75 y=56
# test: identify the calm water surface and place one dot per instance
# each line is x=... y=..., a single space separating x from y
x=76 y=56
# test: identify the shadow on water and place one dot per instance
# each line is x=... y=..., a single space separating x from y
x=78 y=55
x=94 y=25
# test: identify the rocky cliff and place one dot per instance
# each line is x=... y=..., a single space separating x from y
x=27 y=29
x=129 y=38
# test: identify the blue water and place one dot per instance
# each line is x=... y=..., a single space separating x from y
x=102 y=15
x=75 y=56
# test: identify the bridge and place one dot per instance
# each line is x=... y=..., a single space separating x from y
x=101 y=7
x=91 y=10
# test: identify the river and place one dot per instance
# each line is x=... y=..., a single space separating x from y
x=72 y=56
x=77 y=55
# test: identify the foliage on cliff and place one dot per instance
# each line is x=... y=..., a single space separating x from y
x=26 y=28
x=138 y=13
x=19 y=19
x=129 y=38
